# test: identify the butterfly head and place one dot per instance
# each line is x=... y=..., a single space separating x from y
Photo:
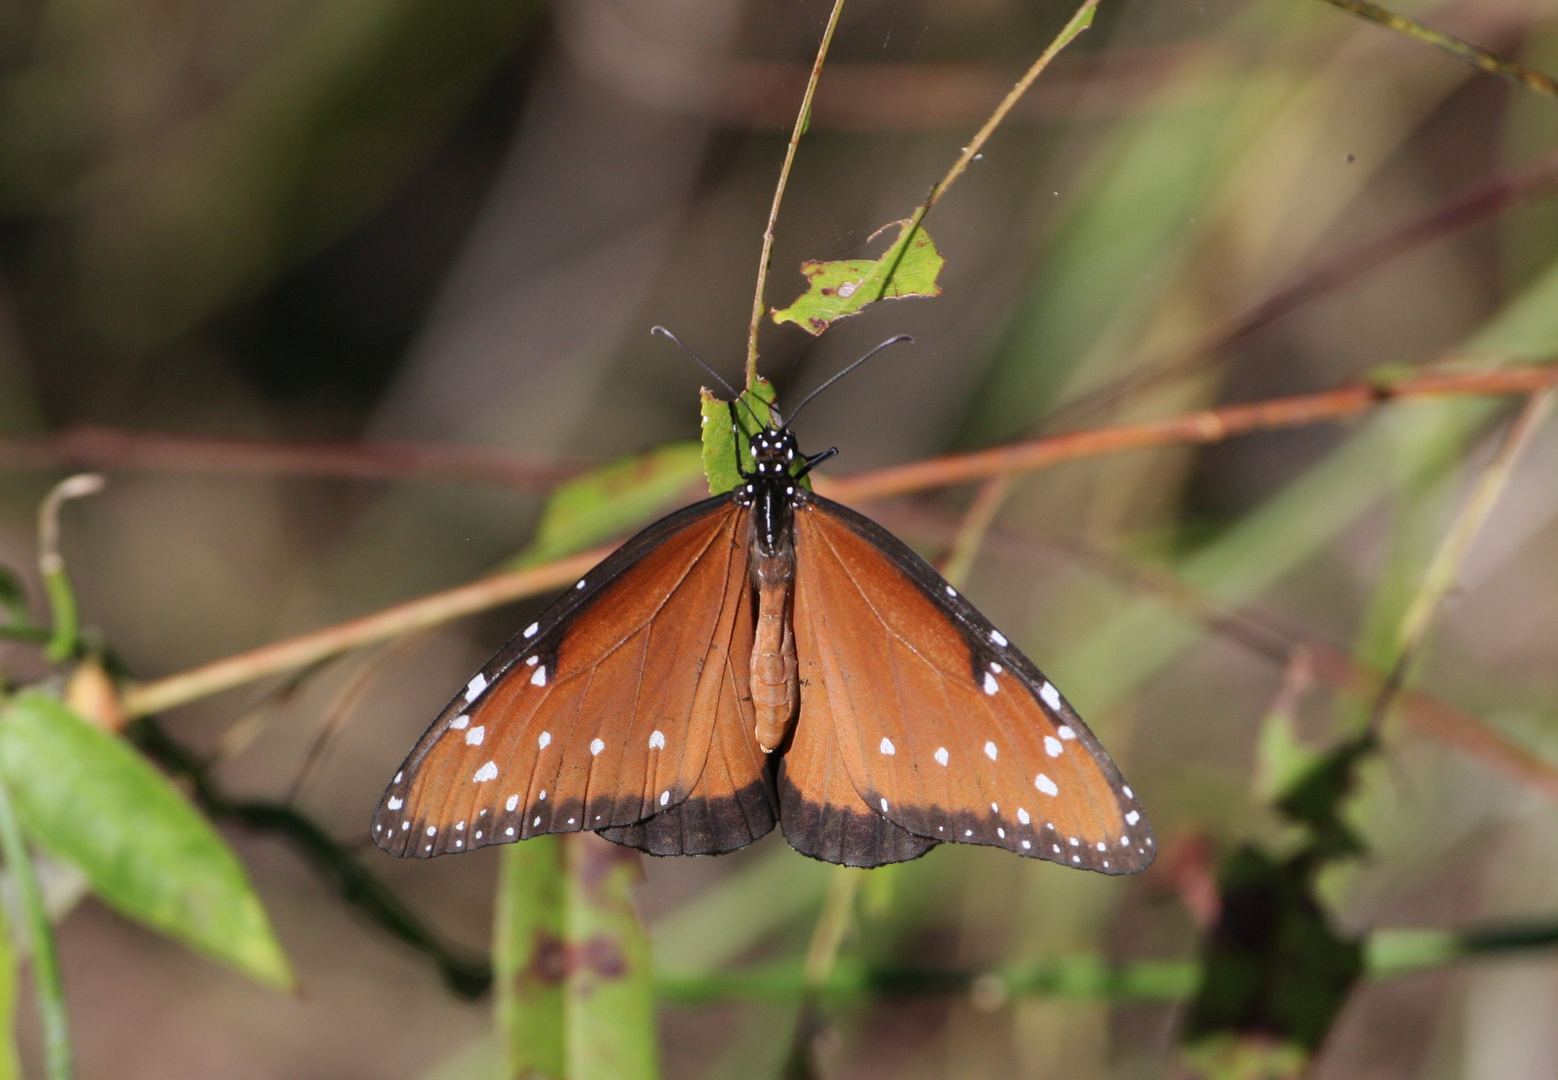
x=773 y=452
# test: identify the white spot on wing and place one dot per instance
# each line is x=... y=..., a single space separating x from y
x=536 y=822
x=991 y=686
x=475 y=736
x=533 y=660
x=596 y=746
x=1026 y=845
x=530 y=631
x=1130 y=819
x=887 y=746
x=1052 y=746
x=1065 y=732
x=1001 y=833
x=1127 y=790
x=884 y=806
x=1050 y=695
x=657 y=740
x=1101 y=846
x=432 y=830
x=539 y=678
x=545 y=740
x=665 y=797
x=990 y=750
x=1046 y=785
x=542 y=796
x=460 y=723
x=399 y=776
x=512 y=804
x=996 y=668
x=580 y=585
x=1022 y=816
x=941 y=755
x=396 y=803
x=951 y=591
x=999 y=638
x=488 y=771
x=474 y=688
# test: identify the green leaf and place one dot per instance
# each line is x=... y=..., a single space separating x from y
x=720 y=453
x=611 y=500
x=840 y=289
x=575 y=993
x=91 y=800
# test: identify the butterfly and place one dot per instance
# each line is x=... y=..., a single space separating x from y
x=766 y=656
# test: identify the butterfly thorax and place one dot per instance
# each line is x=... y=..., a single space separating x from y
x=771 y=491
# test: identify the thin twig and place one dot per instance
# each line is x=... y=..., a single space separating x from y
x=801 y=120
x=1080 y=21
x=51 y=564
x=1481 y=202
x=343 y=703
x=114 y=449
x=966 y=542
x=1478 y=58
x=1210 y=426
x=834 y=924
x=1445 y=566
x=145 y=699
x=1205 y=426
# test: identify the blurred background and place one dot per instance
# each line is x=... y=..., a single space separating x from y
x=414 y=221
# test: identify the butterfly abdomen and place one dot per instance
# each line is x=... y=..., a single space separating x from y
x=775 y=690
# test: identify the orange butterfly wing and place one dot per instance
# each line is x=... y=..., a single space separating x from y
x=603 y=712
x=941 y=726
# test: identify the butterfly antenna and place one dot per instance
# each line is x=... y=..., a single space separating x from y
x=846 y=371
x=734 y=395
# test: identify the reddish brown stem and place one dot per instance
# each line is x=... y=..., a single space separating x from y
x=1205 y=426
x=108 y=448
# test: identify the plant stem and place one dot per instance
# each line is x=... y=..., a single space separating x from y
x=144 y=699
x=45 y=961
x=51 y=564
x=802 y=119
x=1445 y=566
x=1078 y=22
x=1205 y=426
x=1478 y=58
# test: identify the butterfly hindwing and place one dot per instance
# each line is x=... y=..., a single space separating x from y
x=733 y=802
x=599 y=714
x=942 y=726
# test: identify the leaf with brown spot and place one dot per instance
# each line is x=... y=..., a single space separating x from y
x=844 y=287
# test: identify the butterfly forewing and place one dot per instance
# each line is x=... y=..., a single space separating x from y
x=599 y=714
x=943 y=727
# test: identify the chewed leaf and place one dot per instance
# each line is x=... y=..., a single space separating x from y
x=87 y=797
x=612 y=500
x=719 y=451
x=843 y=288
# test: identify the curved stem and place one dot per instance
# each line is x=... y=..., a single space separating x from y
x=801 y=122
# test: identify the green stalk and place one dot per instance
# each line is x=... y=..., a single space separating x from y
x=45 y=961
x=51 y=564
